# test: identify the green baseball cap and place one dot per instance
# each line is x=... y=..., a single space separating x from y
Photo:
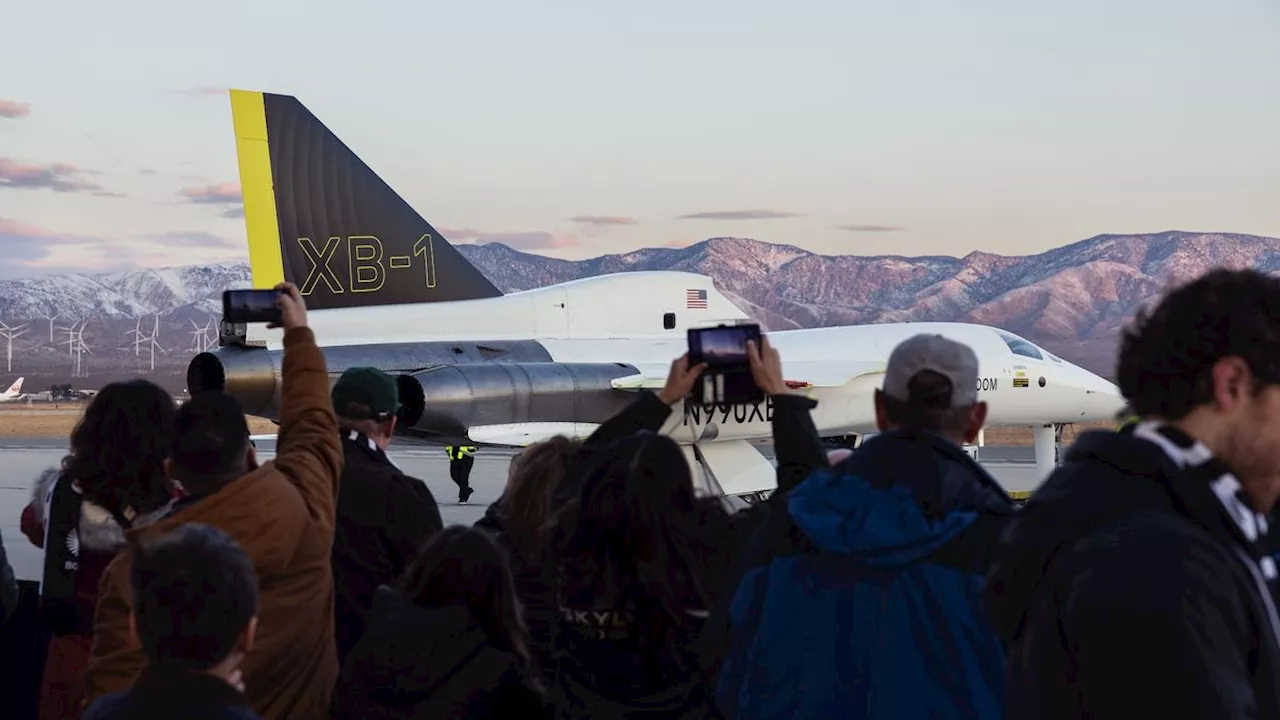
x=367 y=387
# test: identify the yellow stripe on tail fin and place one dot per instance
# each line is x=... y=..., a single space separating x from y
x=254 y=154
x=318 y=217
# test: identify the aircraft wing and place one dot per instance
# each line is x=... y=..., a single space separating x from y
x=821 y=373
x=523 y=434
x=511 y=434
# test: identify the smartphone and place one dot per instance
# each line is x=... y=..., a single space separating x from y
x=727 y=379
x=250 y=306
x=722 y=346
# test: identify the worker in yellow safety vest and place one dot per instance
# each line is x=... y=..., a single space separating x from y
x=461 y=458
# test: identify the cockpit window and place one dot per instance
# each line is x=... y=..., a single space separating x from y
x=1018 y=346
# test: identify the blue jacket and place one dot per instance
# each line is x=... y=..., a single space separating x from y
x=863 y=600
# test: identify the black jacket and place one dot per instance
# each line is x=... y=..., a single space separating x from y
x=428 y=663
x=8 y=587
x=1121 y=591
x=384 y=518
x=167 y=694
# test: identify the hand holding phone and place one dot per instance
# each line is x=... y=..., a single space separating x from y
x=728 y=379
x=281 y=306
x=766 y=366
x=680 y=380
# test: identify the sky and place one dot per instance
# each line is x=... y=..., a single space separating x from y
x=577 y=128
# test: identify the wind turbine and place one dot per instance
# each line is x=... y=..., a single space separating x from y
x=210 y=333
x=76 y=346
x=51 y=318
x=70 y=342
x=199 y=336
x=155 y=344
x=138 y=337
x=81 y=347
x=9 y=333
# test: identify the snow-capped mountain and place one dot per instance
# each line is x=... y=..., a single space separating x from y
x=121 y=295
x=1072 y=299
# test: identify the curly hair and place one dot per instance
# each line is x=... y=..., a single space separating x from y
x=1166 y=358
x=119 y=446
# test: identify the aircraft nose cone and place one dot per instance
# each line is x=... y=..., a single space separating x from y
x=1102 y=400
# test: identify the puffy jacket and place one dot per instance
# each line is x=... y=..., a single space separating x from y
x=863 y=600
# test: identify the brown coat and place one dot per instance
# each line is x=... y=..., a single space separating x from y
x=283 y=515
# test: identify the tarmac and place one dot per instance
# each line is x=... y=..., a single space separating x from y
x=23 y=459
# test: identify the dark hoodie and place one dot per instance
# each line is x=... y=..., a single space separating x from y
x=864 y=596
x=430 y=662
x=1120 y=592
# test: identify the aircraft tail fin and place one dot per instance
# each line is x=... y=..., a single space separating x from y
x=317 y=216
x=15 y=388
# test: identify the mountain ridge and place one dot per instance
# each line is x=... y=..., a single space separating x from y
x=1071 y=299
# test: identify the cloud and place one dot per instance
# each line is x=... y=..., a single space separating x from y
x=146 y=171
x=739 y=215
x=58 y=177
x=13 y=110
x=461 y=233
x=105 y=193
x=602 y=220
x=203 y=91
x=31 y=250
x=180 y=239
x=233 y=213
x=220 y=194
x=21 y=241
x=868 y=228
x=529 y=240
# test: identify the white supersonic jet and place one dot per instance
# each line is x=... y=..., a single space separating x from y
x=383 y=288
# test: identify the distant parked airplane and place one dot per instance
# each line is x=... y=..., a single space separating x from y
x=13 y=393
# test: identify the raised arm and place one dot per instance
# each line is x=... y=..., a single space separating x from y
x=796 y=444
x=308 y=447
x=648 y=412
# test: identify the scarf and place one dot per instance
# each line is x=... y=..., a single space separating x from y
x=61 y=555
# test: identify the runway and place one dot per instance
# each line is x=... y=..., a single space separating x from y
x=22 y=460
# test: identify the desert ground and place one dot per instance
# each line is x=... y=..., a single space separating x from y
x=52 y=420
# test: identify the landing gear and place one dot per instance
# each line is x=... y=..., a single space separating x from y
x=1048 y=443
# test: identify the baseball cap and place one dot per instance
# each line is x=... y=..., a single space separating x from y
x=367 y=387
x=954 y=362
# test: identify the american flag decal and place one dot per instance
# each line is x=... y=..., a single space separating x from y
x=695 y=299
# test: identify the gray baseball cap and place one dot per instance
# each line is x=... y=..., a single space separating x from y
x=956 y=362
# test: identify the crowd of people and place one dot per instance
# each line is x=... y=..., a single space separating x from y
x=185 y=578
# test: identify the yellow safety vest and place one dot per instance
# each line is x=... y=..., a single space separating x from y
x=1131 y=420
x=461 y=451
